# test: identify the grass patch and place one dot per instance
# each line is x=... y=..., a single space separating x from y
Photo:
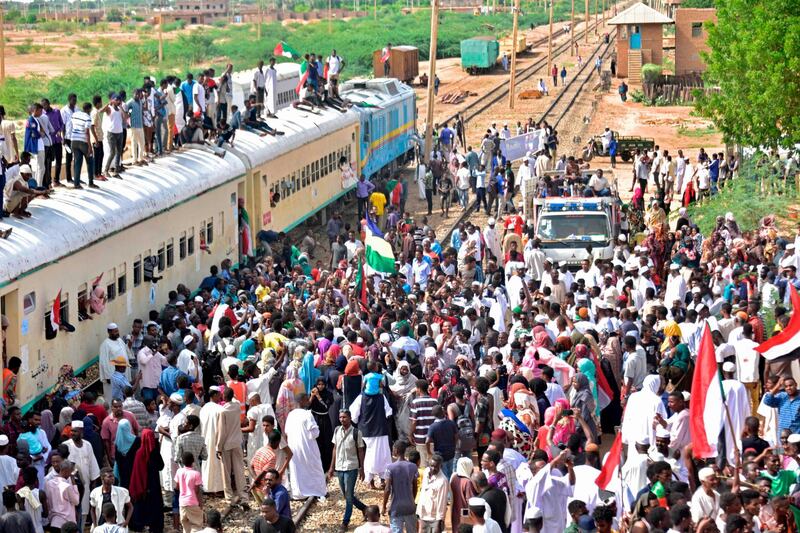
x=684 y=131
x=743 y=198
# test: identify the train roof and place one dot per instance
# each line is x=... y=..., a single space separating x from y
x=285 y=71
x=375 y=92
x=79 y=218
x=300 y=127
x=71 y=220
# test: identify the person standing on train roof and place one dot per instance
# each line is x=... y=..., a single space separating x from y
x=270 y=85
x=363 y=189
x=113 y=347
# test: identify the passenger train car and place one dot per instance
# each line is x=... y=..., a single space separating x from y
x=179 y=213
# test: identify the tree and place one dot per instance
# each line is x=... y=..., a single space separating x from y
x=755 y=61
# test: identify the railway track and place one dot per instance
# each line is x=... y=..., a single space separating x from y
x=562 y=104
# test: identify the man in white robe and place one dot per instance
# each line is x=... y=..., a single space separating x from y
x=164 y=428
x=256 y=438
x=82 y=455
x=378 y=455
x=212 y=467
x=634 y=471
x=111 y=348
x=738 y=401
x=306 y=477
x=550 y=490
x=492 y=238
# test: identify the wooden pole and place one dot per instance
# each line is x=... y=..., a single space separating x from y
x=512 y=81
x=330 y=16
x=604 y=12
x=2 y=45
x=258 y=21
x=572 y=31
x=160 y=38
x=550 y=41
x=586 y=23
x=595 y=17
x=431 y=77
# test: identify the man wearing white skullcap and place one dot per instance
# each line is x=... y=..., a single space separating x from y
x=738 y=403
x=9 y=471
x=481 y=517
x=82 y=454
x=705 y=500
x=188 y=363
x=111 y=348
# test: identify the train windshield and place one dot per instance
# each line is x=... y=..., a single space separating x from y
x=576 y=228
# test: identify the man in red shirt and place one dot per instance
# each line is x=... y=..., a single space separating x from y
x=90 y=408
x=514 y=222
x=108 y=428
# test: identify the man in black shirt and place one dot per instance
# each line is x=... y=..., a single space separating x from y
x=270 y=521
x=493 y=496
x=13 y=520
x=751 y=440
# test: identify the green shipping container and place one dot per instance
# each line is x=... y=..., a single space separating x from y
x=479 y=52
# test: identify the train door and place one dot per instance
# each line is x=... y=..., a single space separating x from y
x=9 y=337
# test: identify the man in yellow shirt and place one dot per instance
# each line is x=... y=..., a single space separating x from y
x=378 y=202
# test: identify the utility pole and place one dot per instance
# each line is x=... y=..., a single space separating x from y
x=2 y=45
x=604 y=12
x=512 y=81
x=596 y=14
x=330 y=16
x=586 y=23
x=258 y=20
x=160 y=38
x=550 y=41
x=431 y=77
x=572 y=31
x=375 y=10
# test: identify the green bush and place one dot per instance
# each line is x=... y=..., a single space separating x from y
x=650 y=72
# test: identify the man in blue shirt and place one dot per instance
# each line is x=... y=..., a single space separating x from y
x=278 y=493
x=186 y=89
x=363 y=189
x=787 y=403
x=713 y=173
x=118 y=380
x=169 y=377
x=446 y=139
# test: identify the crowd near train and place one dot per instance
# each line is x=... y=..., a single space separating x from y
x=122 y=243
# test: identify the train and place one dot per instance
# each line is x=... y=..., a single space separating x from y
x=179 y=215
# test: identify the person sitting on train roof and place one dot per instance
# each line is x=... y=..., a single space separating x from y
x=17 y=193
x=308 y=101
x=251 y=119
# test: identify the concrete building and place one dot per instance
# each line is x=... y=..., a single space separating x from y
x=196 y=11
x=639 y=39
x=691 y=38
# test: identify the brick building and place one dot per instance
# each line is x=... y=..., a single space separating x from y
x=639 y=39
x=691 y=38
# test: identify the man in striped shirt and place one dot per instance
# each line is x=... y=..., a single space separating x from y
x=190 y=440
x=81 y=123
x=421 y=418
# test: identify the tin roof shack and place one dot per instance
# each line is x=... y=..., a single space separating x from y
x=691 y=39
x=639 y=40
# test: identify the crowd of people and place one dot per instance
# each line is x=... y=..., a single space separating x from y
x=156 y=118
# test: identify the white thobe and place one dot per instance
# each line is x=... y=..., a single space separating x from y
x=585 y=488
x=676 y=289
x=86 y=464
x=306 y=476
x=634 y=476
x=738 y=401
x=257 y=439
x=554 y=501
x=212 y=467
x=493 y=243
x=189 y=365
x=378 y=455
x=110 y=350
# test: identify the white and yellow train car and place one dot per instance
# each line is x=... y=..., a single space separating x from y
x=182 y=209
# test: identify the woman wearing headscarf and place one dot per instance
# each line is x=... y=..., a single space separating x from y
x=563 y=426
x=675 y=364
x=520 y=434
x=351 y=382
x=47 y=425
x=587 y=368
x=287 y=396
x=462 y=490
x=637 y=422
x=97 y=300
x=321 y=402
x=544 y=431
x=402 y=384
x=64 y=419
x=539 y=388
x=584 y=405
x=91 y=435
x=126 y=444
x=145 y=486
x=523 y=402
x=308 y=372
x=247 y=350
x=451 y=378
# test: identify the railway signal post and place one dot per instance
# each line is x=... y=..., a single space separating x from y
x=431 y=77
x=513 y=78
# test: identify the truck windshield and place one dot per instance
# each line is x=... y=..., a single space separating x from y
x=586 y=227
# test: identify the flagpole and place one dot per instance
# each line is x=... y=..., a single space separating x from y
x=431 y=77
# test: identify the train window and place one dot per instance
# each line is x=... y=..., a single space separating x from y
x=162 y=258
x=83 y=303
x=28 y=303
x=190 y=242
x=221 y=223
x=182 y=246
x=305 y=180
x=137 y=271
x=63 y=315
x=393 y=119
x=111 y=291
x=170 y=253
x=210 y=231
x=366 y=131
x=122 y=283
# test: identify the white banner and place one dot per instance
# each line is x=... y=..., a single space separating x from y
x=516 y=147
